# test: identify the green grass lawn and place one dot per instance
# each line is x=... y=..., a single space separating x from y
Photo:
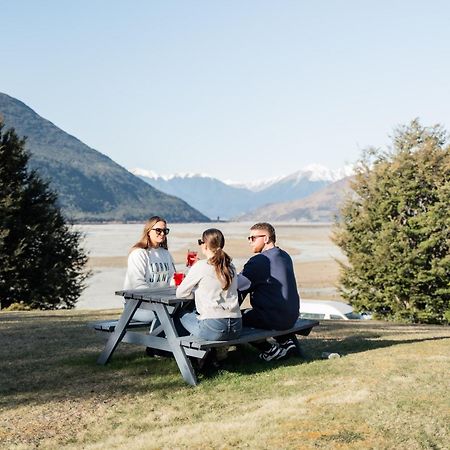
x=390 y=390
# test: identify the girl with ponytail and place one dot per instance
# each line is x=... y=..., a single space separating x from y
x=213 y=282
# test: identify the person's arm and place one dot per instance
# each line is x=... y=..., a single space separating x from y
x=243 y=282
x=185 y=289
x=250 y=274
x=135 y=277
x=255 y=271
x=172 y=268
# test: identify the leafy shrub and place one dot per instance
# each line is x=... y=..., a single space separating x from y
x=395 y=229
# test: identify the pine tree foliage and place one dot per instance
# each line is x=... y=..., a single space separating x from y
x=395 y=229
x=41 y=261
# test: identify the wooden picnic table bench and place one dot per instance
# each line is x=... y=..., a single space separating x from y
x=163 y=334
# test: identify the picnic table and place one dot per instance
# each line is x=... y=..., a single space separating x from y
x=162 y=334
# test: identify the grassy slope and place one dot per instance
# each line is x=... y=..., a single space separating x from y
x=391 y=390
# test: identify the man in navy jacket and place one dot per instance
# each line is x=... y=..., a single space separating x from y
x=269 y=278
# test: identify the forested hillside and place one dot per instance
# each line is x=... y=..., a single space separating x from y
x=90 y=186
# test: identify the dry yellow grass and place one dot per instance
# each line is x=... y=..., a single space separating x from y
x=390 y=390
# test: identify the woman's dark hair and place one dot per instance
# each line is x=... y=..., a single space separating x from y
x=144 y=241
x=214 y=240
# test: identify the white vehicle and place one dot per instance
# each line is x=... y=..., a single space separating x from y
x=328 y=310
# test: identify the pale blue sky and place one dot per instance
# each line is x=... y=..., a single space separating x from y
x=241 y=90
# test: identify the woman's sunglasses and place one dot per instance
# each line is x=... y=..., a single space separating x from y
x=158 y=231
x=200 y=242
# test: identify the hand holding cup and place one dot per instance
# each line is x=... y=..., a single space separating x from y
x=191 y=258
x=178 y=277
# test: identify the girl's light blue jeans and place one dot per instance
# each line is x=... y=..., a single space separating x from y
x=212 y=329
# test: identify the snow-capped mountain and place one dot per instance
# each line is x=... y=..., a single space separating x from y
x=312 y=172
x=256 y=185
x=216 y=198
x=153 y=175
x=317 y=172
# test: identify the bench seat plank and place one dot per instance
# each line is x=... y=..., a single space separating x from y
x=302 y=326
x=110 y=325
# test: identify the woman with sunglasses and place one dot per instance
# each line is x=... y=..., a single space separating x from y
x=213 y=281
x=150 y=265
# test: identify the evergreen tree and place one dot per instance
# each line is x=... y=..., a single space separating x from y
x=395 y=229
x=41 y=262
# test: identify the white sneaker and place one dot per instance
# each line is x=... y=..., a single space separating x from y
x=274 y=352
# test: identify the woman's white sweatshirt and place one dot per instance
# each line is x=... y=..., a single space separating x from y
x=149 y=268
x=211 y=301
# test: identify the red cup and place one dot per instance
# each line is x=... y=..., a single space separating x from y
x=191 y=258
x=178 y=278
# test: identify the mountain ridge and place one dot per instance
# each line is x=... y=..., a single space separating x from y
x=314 y=172
x=321 y=206
x=216 y=198
x=89 y=184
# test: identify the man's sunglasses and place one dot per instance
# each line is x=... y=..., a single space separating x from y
x=158 y=231
x=252 y=238
x=200 y=242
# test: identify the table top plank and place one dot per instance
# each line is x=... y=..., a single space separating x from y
x=166 y=296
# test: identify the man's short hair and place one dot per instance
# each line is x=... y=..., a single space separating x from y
x=269 y=229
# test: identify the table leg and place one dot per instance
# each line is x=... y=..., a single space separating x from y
x=117 y=335
x=183 y=362
x=299 y=348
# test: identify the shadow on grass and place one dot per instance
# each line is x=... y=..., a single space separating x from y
x=356 y=344
x=245 y=361
x=361 y=336
x=332 y=337
x=47 y=357
x=51 y=357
